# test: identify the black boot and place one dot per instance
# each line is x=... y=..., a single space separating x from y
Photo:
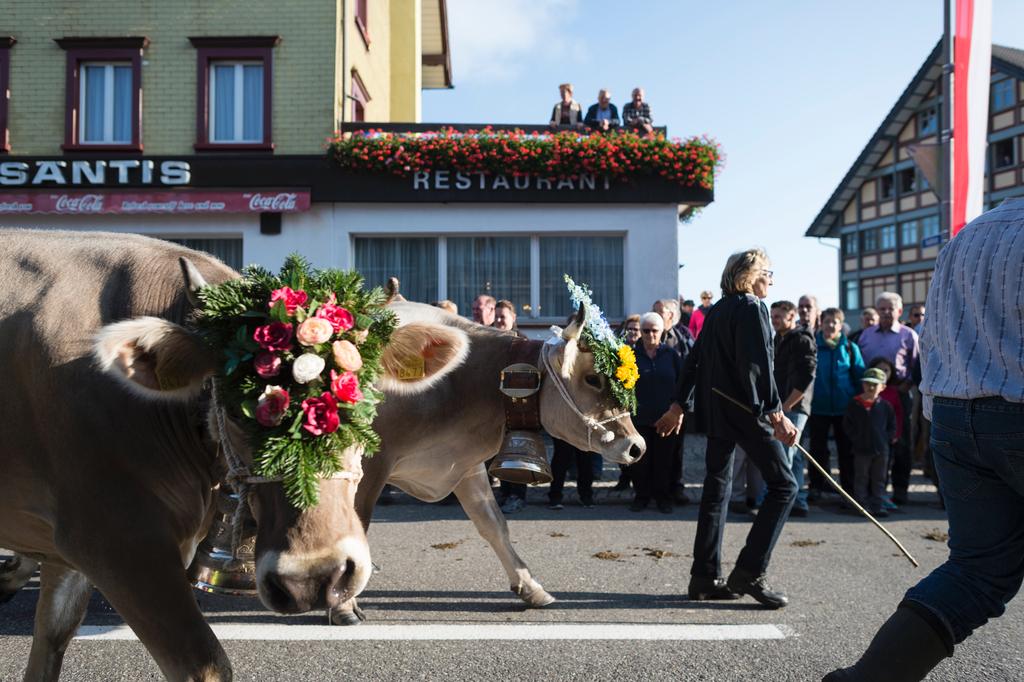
x=757 y=587
x=904 y=649
x=703 y=588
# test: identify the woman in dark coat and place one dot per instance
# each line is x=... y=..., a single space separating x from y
x=659 y=368
x=728 y=381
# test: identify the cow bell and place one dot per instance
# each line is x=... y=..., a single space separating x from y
x=522 y=459
x=214 y=569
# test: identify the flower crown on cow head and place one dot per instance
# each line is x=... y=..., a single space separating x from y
x=612 y=357
x=301 y=351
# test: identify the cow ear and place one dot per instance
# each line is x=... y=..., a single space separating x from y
x=194 y=281
x=421 y=354
x=153 y=357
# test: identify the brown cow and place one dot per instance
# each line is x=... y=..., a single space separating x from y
x=437 y=435
x=110 y=456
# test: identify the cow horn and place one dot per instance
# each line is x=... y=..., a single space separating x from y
x=194 y=281
x=575 y=328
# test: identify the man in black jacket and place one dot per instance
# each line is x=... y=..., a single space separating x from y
x=796 y=360
x=728 y=379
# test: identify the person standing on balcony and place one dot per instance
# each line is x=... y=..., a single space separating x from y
x=636 y=115
x=568 y=113
x=603 y=116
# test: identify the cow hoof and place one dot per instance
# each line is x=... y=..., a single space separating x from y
x=535 y=597
x=353 y=617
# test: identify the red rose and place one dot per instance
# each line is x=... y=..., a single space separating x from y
x=274 y=336
x=340 y=318
x=321 y=414
x=345 y=387
x=267 y=364
x=272 y=405
x=292 y=299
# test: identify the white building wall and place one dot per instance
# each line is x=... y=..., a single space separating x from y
x=324 y=234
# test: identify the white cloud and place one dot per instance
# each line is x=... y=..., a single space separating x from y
x=492 y=39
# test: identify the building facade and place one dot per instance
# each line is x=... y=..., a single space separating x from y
x=207 y=124
x=885 y=212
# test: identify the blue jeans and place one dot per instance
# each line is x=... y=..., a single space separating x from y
x=979 y=458
x=796 y=462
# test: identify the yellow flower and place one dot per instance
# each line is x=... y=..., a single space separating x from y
x=626 y=355
x=627 y=372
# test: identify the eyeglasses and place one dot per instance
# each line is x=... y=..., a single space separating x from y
x=770 y=273
x=633 y=329
x=650 y=331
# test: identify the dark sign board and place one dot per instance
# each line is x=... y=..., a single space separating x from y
x=327 y=182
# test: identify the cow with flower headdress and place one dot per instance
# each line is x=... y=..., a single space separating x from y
x=142 y=378
x=437 y=435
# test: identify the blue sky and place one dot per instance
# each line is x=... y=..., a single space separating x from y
x=792 y=90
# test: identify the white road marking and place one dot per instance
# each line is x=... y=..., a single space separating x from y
x=481 y=631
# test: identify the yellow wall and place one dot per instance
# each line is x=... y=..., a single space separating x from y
x=406 y=60
x=307 y=91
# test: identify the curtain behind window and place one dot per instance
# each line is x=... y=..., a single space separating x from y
x=252 y=113
x=413 y=260
x=594 y=261
x=95 y=97
x=223 y=102
x=229 y=251
x=122 y=104
x=499 y=266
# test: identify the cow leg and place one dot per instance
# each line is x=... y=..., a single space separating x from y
x=14 y=573
x=159 y=606
x=63 y=598
x=474 y=493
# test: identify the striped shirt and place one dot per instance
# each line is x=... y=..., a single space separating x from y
x=973 y=340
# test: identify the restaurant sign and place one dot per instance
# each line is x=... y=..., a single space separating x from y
x=173 y=201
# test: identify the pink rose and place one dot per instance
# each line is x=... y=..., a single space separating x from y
x=313 y=330
x=292 y=299
x=340 y=318
x=274 y=336
x=272 y=405
x=321 y=414
x=346 y=356
x=345 y=387
x=267 y=364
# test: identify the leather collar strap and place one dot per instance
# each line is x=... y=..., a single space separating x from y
x=519 y=383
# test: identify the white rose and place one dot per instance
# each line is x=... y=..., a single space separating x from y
x=307 y=367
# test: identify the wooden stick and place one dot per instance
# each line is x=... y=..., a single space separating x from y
x=834 y=484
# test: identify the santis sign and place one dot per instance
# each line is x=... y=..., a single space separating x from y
x=82 y=172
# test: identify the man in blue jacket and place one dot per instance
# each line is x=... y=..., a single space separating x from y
x=603 y=116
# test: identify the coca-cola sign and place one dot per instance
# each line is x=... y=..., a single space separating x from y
x=274 y=203
x=177 y=201
x=82 y=203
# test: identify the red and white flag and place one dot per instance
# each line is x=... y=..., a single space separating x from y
x=972 y=64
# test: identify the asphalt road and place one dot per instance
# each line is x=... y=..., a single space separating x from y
x=843 y=577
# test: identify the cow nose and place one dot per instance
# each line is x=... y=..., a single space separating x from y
x=287 y=594
x=342 y=585
x=636 y=452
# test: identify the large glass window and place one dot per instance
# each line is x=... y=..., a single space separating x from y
x=852 y=295
x=908 y=181
x=1002 y=94
x=1003 y=155
x=927 y=122
x=229 y=251
x=413 y=260
x=908 y=233
x=850 y=244
x=929 y=226
x=236 y=102
x=885 y=187
x=106 y=103
x=499 y=266
x=596 y=261
x=887 y=237
x=870 y=238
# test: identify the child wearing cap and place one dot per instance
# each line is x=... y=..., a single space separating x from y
x=870 y=424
